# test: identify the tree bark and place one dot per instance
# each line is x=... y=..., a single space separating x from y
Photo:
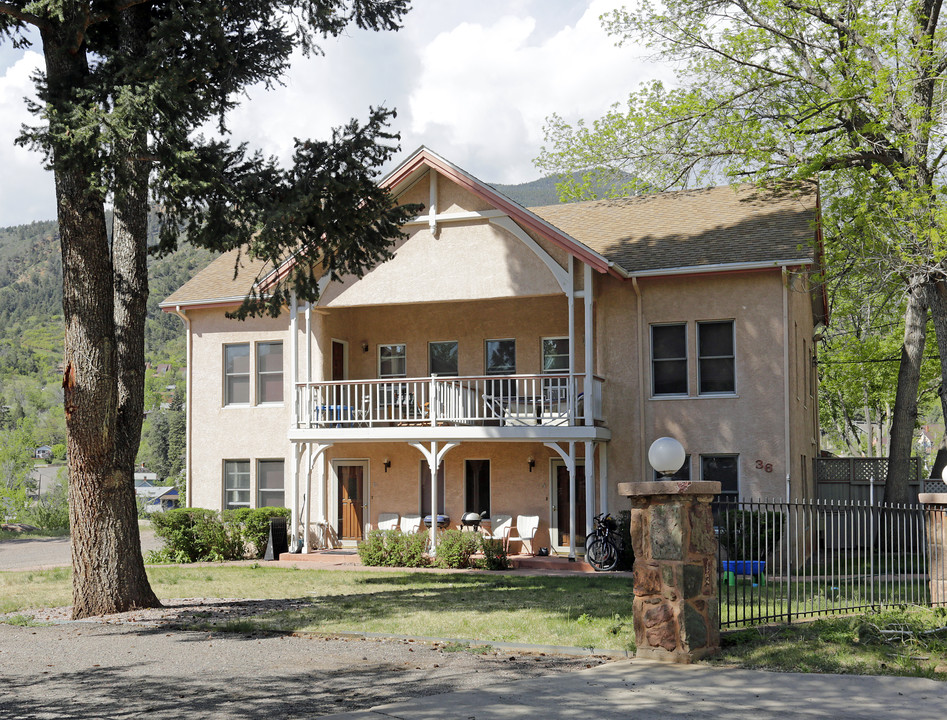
x=938 y=303
x=130 y=272
x=904 y=415
x=107 y=565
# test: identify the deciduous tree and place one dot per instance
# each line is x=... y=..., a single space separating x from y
x=849 y=91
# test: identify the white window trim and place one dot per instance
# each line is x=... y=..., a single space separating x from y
x=225 y=376
x=686 y=359
x=733 y=335
x=260 y=490
x=257 y=372
x=378 y=358
x=542 y=355
x=225 y=505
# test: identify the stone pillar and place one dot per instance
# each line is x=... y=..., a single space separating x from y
x=935 y=506
x=675 y=603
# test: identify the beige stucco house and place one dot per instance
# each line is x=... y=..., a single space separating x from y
x=516 y=361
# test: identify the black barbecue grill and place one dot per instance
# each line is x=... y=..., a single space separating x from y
x=472 y=520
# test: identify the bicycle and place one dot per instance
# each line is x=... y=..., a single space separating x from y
x=602 y=544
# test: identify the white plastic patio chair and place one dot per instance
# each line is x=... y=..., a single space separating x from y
x=500 y=526
x=388 y=521
x=526 y=527
x=410 y=524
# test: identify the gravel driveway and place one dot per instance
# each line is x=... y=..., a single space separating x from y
x=90 y=669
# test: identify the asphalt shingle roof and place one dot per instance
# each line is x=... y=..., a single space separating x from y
x=693 y=228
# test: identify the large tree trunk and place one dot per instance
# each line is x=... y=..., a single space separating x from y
x=130 y=268
x=105 y=552
x=938 y=303
x=904 y=416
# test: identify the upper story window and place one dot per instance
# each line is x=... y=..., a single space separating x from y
x=269 y=372
x=237 y=374
x=442 y=358
x=669 y=359
x=501 y=357
x=715 y=357
x=392 y=361
x=556 y=355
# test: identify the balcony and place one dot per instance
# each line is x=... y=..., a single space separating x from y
x=540 y=402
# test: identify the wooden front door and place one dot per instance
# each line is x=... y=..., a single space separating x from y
x=561 y=512
x=351 y=500
x=338 y=360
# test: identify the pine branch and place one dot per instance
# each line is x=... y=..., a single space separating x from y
x=28 y=18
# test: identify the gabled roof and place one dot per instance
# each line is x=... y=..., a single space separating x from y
x=715 y=229
x=424 y=159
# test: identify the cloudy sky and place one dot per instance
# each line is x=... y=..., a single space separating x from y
x=472 y=80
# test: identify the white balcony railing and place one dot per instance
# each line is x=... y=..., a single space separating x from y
x=505 y=401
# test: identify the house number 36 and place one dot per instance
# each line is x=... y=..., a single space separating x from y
x=760 y=465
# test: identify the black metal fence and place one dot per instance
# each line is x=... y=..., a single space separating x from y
x=780 y=561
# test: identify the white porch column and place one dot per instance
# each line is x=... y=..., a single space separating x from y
x=569 y=460
x=295 y=525
x=434 y=458
x=588 y=388
x=603 y=477
x=316 y=453
x=589 y=485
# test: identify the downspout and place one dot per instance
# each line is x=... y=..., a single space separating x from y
x=786 y=378
x=188 y=491
x=641 y=380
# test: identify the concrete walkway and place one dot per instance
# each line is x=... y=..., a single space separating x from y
x=645 y=690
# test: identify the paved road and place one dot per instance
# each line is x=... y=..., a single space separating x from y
x=39 y=553
x=94 y=670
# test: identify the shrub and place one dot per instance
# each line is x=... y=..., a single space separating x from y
x=255 y=525
x=393 y=548
x=51 y=511
x=455 y=548
x=494 y=554
x=626 y=553
x=196 y=535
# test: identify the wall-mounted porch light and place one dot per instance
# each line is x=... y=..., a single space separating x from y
x=387 y=464
x=364 y=347
x=531 y=461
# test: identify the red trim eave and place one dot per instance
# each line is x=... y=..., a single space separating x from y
x=519 y=213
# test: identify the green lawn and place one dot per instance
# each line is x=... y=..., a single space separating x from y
x=580 y=611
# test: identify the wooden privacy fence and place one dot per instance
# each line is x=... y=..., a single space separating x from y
x=856 y=479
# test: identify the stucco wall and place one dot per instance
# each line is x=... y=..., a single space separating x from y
x=217 y=432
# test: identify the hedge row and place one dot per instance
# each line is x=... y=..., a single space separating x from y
x=198 y=535
x=455 y=549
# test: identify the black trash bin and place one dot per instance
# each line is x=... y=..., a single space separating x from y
x=277 y=542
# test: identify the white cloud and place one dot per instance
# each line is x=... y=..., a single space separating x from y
x=473 y=81
x=27 y=192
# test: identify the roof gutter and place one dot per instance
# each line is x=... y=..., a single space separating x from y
x=722 y=267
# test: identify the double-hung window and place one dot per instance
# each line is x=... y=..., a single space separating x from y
x=715 y=357
x=270 y=490
x=723 y=469
x=501 y=360
x=669 y=359
x=236 y=484
x=556 y=355
x=269 y=372
x=392 y=361
x=237 y=374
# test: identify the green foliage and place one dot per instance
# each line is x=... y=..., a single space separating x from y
x=749 y=534
x=494 y=554
x=16 y=463
x=51 y=512
x=626 y=552
x=255 y=524
x=455 y=548
x=393 y=548
x=196 y=535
